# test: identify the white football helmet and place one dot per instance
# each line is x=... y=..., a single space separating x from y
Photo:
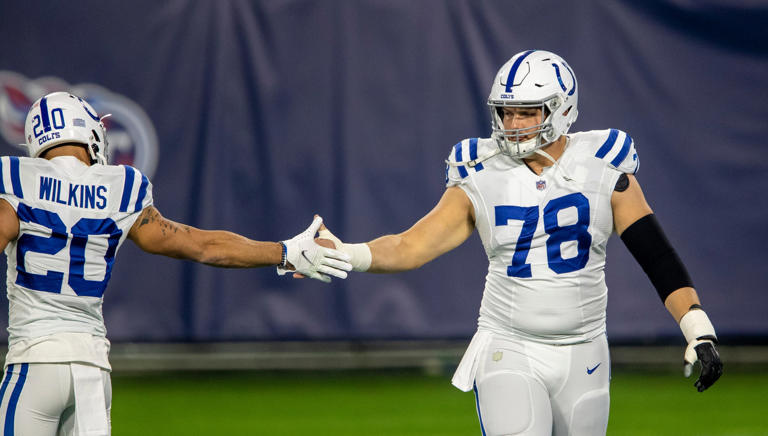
x=59 y=118
x=534 y=79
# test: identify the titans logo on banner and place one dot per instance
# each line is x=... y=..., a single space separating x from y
x=131 y=135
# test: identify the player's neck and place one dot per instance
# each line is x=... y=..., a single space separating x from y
x=537 y=162
x=76 y=151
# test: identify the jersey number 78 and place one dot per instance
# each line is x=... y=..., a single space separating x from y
x=557 y=234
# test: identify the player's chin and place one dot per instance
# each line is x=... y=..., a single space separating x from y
x=325 y=243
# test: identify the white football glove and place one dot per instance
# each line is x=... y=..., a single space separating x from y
x=359 y=254
x=312 y=260
x=700 y=334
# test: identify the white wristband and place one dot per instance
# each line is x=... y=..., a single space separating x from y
x=360 y=253
x=360 y=256
x=696 y=324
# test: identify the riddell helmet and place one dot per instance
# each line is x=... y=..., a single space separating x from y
x=533 y=79
x=59 y=118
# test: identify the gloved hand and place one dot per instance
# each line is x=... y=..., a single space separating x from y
x=301 y=254
x=703 y=351
x=701 y=337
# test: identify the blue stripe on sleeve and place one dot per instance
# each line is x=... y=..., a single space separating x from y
x=127 y=188
x=623 y=152
x=462 y=171
x=608 y=144
x=142 y=192
x=10 y=412
x=513 y=70
x=44 y=114
x=473 y=153
x=15 y=177
x=2 y=184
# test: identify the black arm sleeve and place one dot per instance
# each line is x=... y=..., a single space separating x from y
x=646 y=241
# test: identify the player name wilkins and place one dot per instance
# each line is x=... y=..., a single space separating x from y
x=70 y=194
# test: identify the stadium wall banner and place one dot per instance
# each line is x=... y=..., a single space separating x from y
x=252 y=116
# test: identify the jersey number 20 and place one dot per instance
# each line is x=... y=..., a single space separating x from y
x=557 y=234
x=53 y=280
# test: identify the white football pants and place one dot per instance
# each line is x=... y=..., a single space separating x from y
x=39 y=399
x=533 y=389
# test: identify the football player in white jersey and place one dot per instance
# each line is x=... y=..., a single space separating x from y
x=544 y=203
x=64 y=215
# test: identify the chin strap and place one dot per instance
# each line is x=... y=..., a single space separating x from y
x=555 y=163
x=474 y=162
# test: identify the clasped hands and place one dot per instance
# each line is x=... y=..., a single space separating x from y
x=305 y=257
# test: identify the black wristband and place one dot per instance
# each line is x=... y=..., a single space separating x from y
x=650 y=247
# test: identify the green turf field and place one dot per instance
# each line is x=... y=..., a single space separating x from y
x=408 y=403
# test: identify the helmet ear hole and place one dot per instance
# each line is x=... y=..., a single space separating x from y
x=95 y=136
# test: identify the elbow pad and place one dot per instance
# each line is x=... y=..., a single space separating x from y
x=650 y=247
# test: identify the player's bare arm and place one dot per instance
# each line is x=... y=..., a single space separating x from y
x=9 y=224
x=638 y=228
x=156 y=234
x=444 y=228
x=629 y=205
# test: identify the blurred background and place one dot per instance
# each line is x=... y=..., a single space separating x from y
x=251 y=116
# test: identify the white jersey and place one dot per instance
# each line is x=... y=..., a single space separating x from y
x=72 y=220
x=545 y=236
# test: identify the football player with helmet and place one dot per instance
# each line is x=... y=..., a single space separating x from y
x=64 y=215
x=544 y=202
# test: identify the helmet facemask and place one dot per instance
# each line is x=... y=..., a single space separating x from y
x=513 y=142
x=99 y=154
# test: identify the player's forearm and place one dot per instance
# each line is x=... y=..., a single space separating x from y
x=679 y=302
x=394 y=253
x=229 y=250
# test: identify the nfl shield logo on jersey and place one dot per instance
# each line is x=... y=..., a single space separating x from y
x=541 y=185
